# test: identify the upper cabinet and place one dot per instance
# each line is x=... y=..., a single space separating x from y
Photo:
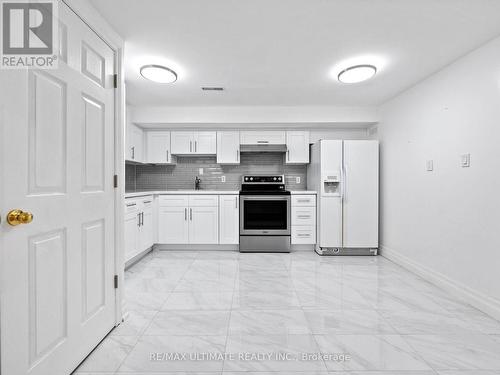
x=158 y=147
x=193 y=143
x=135 y=143
x=228 y=147
x=297 y=144
x=256 y=137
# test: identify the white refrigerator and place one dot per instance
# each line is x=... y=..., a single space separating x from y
x=346 y=176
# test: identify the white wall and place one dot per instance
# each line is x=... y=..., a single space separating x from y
x=445 y=224
x=254 y=114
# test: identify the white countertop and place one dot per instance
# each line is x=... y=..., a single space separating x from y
x=185 y=192
x=180 y=192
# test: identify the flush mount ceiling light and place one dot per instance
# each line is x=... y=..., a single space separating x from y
x=357 y=73
x=158 y=73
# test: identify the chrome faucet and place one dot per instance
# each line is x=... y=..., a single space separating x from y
x=197 y=181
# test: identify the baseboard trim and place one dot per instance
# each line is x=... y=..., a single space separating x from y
x=488 y=305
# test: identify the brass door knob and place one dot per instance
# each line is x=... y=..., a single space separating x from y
x=16 y=217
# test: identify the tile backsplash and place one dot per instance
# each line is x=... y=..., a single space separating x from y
x=181 y=175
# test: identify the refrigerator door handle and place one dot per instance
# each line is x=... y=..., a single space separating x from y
x=344 y=191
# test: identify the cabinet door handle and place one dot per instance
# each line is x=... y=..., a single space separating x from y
x=167 y=156
x=191 y=214
x=133 y=152
x=303 y=235
x=195 y=146
x=190 y=146
x=262 y=141
x=303 y=216
x=142 y=219
x=288 y=154
x=237 y=155
x=131 y=204
x=138 y=219
x=185 y=214
x=235 y=202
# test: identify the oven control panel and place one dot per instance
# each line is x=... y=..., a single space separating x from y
x=278 y=179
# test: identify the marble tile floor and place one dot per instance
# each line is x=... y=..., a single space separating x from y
x=231 y=313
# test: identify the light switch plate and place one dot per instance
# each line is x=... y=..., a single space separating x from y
x=465 y=160
x=200 y=171
x=297 y=180
x=223 y=178
x=429 y=165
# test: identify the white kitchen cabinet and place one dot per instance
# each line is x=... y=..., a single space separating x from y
x=203 y=225
x=173 y=225
x=205 y=143
x=193 y=143
x=303 y=219
x=297 y=144
x=138 y=226
x=181 y=142
x=146 y=224
x=228 y=147
x=158 y=147
x=188 y=219
x=269 y=137
x=229 y=219
x=131 y=230
x=135 y=143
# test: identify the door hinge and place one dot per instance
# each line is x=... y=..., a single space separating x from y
x=115 y=181
x=115 y=281
x=115 y=81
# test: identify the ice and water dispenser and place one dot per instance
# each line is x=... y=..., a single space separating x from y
x=331 y=184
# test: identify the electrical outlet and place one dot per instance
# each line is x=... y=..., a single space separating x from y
x=429 y=165
x=200 y=171
x=465 y=160
x=222 y=178
x=297 y=180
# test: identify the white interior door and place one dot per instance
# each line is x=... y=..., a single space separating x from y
x=57 y=144
x=360 y=229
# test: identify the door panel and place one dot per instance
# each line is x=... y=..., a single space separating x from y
x=47 y=133
x=229 y=214
x=203 y=225
x=173 y=225
x=205 y=143
x=228 y=147
x=58 y=298
x=182 y=142
x=361 y=194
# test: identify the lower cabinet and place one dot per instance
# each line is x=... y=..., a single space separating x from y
x=138 y=226
x=229 y=219
x=203 y=225
x=188 y=220
x=303 y=219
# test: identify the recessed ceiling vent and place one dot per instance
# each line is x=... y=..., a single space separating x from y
x=208 y=88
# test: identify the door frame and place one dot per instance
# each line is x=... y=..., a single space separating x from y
x=100 y=26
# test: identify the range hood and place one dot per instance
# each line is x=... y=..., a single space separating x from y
x=263 y=148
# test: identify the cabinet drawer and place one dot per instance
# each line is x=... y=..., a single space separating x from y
x=173 y=200
x=255 y=137
x=131 y=206
x=203 y=200
x=303 y=200
x=303 y=234
x=304 y=216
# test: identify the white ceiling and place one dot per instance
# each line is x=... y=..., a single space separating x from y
x=282 y=52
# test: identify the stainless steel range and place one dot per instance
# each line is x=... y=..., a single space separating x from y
x=264 y=214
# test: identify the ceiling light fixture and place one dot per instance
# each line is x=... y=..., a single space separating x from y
x=158 y=73
x=357 y=73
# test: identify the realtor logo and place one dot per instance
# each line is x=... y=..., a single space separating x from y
x=29 y=34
